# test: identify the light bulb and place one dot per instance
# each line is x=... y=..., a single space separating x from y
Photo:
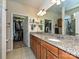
x=39 y=12
x=58 y=2
x=43 y=13
x=53 y=1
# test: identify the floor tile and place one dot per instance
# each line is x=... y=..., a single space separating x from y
x=21 y=53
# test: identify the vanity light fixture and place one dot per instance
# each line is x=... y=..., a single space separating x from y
x=41 y=12
x=58 y=2
x=53 y=1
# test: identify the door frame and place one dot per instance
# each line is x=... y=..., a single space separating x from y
x=3 y=29
x=11 y=31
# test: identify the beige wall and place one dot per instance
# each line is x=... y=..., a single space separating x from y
x=0 y=29
x=17 y=8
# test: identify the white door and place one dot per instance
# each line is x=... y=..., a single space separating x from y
x=25 y=31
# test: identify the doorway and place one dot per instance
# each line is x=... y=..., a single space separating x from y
x=18 y=31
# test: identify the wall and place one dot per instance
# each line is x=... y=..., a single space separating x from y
x=72 y=11
x=77 y=23
x=2 y=29
x=16 y=8
x=51 y=15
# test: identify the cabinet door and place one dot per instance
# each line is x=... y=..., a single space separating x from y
x=51 y=56
x=64 y=55
x=35 y=47
x=51 y=48
x=32 y=44
x=43 y=52
x=31 y=41
x=38 y=51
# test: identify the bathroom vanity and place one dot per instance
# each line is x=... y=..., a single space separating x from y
x=47 y=46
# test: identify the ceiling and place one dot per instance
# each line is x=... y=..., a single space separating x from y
x=47 y=4
x=69 y=4
x=34 y=3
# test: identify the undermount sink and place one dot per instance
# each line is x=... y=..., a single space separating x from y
x=54 y=40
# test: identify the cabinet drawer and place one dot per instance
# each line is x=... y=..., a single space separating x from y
x=51 y=56
x=51 y=48
x=64 y=55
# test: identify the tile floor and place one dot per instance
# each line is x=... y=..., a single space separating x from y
x=21 y=53
x=18 y=44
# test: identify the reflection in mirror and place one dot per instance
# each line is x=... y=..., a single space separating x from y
x=53 y=20
x=69 y=22
x=65 y=18
x=70 y=19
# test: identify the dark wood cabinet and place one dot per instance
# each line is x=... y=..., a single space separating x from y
x=35 y=47
x=59 y=22
x=51 y=48
x=38 y=50
x=33 y=44
x=43 y=52
x=51 y=56
x=64 y=55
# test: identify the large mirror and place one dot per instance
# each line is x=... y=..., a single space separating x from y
x=71 y=11
x=64 y=17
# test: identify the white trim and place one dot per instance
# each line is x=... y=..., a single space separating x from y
x=11 y=32
x=3 y=29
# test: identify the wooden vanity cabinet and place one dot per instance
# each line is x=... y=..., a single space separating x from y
x=44 y=50
x=33 y=44
x=64 y=55
x=36 y=46
x=51 y=56
x=50 y=48
x=38 y=50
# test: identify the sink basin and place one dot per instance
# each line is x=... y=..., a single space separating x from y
x=54 y=40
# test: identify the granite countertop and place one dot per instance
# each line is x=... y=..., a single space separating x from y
x=67 y=43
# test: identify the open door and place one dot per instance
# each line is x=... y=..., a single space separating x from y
x=25 y=31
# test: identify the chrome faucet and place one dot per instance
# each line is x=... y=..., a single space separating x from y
x=60 y=37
